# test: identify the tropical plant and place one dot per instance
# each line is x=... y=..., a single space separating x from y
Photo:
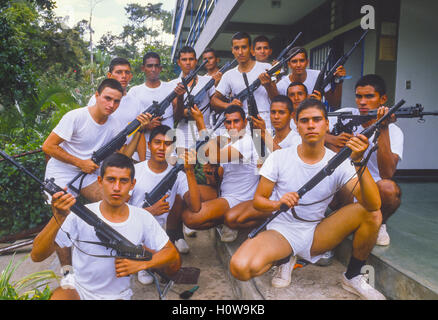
x=34 y=286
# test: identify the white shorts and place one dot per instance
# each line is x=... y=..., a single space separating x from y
x=299 y=235
x=85 y=294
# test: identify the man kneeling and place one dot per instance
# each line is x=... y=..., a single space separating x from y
x=96 y=277
x=304 y=230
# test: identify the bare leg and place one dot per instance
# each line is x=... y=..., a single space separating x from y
x=211 y=214
x=207 y=192
x=390 y=193
x=65 y=294
x=93 y=192
x=256 y=256
x=244 y=215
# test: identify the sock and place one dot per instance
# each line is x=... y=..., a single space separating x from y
x=354 y=267
x=175 y=234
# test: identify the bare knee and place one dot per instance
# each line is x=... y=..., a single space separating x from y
x=390 y=193
x=190 y=219
x=374 y=218
x=231 y=219
x=244 y=268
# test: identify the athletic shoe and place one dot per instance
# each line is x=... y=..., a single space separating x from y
x=182 y=245
x=326 y=259
x=144 y=277
x=189 y=232
x=359 y=286
x=383 y=236
x=283 y=274
x=227 y=234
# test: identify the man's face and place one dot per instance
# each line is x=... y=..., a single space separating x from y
x=152 y=69
x=296 y=94
x=160 y=147
x=298 y=63
x=280 y=115
x=108 y=101
x=187 y=62
x=212 y=61
x=235 y=125
x=312 y=125
x=241 y=50
x=262 y=51
x=122 y=73
x=116 y=184
x=367 y=98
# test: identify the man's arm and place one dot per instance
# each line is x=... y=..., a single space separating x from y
x=219 y=105
x=51 y=147
x=178 y=102
x=269 y=85
x=44 y=243
x=193 y=196
x=167 y=258
x=263 y=193
x=334 y=98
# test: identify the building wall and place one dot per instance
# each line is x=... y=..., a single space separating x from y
x=417 y=62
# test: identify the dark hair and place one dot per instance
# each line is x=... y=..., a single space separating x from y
x=110 y=83
x=297 y=83
x=235 y=108
x=186 y=49
x=161 y=129
x=118 y=160
x=300 y=50
x=210 y=50
x=284 y=99
x=373 y=80
x=261 y=39
x=311 y=103
x=241 y=35
x=118 y=62
x=151 y=54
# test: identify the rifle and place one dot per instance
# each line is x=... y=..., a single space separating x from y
x=156 y=110
x=197 y=99
x=342 y=60
x=109 y=237
x=253 y=112
x=319 y=81
x=282 y=53
x=358 y=119
x=169 y=179
x=332 y=164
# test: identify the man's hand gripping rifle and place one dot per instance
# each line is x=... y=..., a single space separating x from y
x=333 y=163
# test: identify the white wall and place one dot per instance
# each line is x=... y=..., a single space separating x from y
x=417 y=61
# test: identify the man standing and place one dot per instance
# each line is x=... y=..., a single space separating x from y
x=232 y=81
x=299 y=73
x=304 y=230
x=371 y=95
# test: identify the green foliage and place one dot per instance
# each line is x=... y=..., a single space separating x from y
x=28 y=287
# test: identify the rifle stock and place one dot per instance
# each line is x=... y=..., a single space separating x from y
x=332 y=164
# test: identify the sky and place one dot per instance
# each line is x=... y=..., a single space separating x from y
x=108 y=15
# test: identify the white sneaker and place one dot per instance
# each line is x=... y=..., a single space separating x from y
x=359 y=286
x=189 y=232
x=383 y=236
x=283 y=274
x=144 y=277
x=227 y=234
x=182 y=245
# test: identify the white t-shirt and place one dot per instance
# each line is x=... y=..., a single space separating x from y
x=98 y=275
x=396 y=139
x=232 y=83
x=147 y=180
x=292 y=139
x=240 y=178
x=310 y=81
x=147 y=95
x=82 y=137
x=188 y=128
x=290 y=173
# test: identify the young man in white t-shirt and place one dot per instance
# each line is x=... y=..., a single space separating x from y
x=299 y=73
x=371 y=95
x=232 y=81
x=149 y=173
x=82 y=131
x=157 y=90
x=96 y=278
x=238 y=159
x=129 y=108
x=304 y=230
